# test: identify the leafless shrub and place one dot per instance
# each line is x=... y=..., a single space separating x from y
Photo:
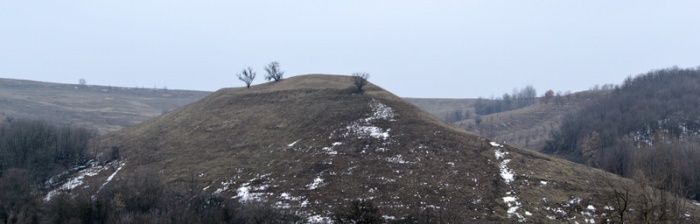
x=360 y=80
x=247 y=76
x=273 y=72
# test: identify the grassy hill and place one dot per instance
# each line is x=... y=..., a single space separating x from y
x=101 y=107
x=311 y=145
x=527 y=127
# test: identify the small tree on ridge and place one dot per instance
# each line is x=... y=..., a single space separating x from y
x=273 y=72
x=359 y=79
x=247 y=76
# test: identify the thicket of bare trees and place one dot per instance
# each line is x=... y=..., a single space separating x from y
x=518 y=99
x=458 y=115
x=41 y=148
x=641 y=202
x=649 y=125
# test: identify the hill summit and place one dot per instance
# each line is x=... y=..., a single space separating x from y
x=311 y=144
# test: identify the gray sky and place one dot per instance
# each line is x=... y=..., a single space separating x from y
x=445 y=48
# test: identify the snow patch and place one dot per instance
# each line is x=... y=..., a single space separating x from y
x=365 y=131
x=224 y=187
x=293 y=143
x=591 y=208
x=513 y=206
x=397 y=159
x=247 y=193
x=92 y=169
x=318 y=219
x=109 y=179
x=494 y=144
x=506 y=173
x=318 y=182
x=364 y=128
x=508 y=176
x=331 y=149
x=500 y=154
x=380 y=111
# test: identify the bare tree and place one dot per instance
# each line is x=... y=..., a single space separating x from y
x=548 y=96
x=273 y=72
x=82 y=82
x=247 y=76
x=360 y=80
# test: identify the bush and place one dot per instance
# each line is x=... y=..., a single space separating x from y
x=359 y=212
x=359 y=79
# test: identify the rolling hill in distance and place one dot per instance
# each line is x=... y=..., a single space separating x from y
x=104 y=108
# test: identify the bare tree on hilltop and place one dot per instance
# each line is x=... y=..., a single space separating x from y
x=360 y=80
x=247 y=76
x=273 y=72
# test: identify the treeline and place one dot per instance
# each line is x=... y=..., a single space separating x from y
x=518 y=99
x=645 y=127
x=40 y=148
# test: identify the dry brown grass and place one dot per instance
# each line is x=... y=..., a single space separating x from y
x=101 y=107
x=242 y=136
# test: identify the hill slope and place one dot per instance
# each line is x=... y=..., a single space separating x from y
x=101 y=107
x=309 y=144
x=527 y=127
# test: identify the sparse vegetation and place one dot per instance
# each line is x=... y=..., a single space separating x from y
x=458 y=115
x=360 y=81
x=273 y=72
x=519 y=99
x=247 y=76
x=359 y=212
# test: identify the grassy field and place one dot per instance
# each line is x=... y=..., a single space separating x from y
x=101 y=107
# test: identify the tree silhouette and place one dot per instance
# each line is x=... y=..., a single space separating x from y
x=247 y=76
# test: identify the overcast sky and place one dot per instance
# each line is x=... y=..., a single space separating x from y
x=430 y=48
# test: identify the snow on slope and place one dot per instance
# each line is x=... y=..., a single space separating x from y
x=508 y=176
x=92 y=169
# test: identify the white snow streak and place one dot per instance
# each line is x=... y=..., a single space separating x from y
x=293 y=143
x=508 y=176
x=318 y=182
x=247 y=193
x=506 y=173
x=318 y=219
x=109 y=179
x=93 y=169
x=364 y=128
